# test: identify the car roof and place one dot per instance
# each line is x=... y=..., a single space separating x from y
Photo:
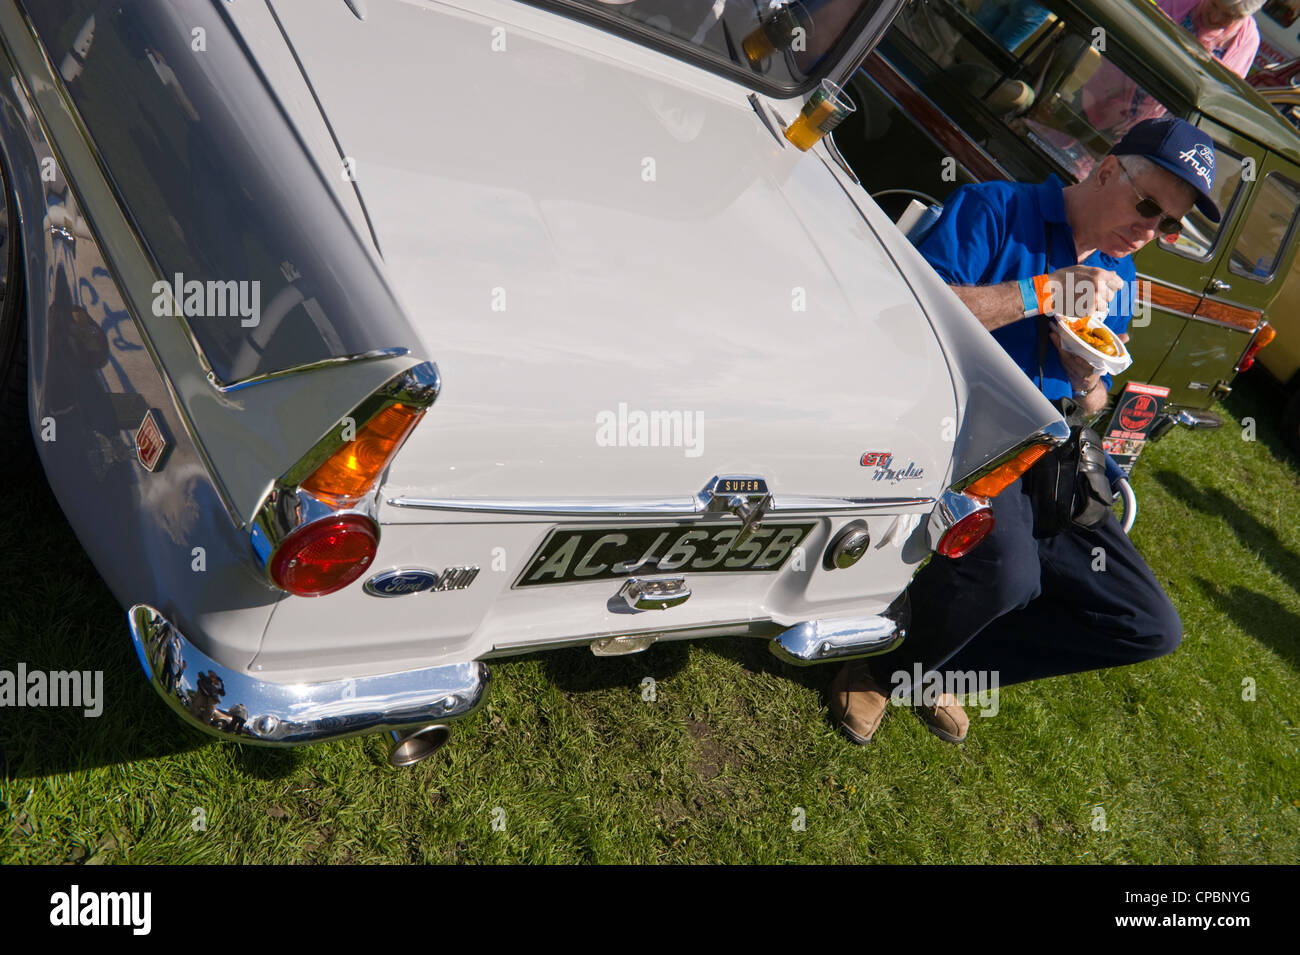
x=1189 y=71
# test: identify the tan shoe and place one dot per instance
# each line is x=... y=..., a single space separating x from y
x=857 y=702
x=946 y=719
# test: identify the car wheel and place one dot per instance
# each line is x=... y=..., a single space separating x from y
x=15 y=432
x=1291 y=422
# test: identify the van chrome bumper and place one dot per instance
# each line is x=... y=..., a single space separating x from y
x=237 y=706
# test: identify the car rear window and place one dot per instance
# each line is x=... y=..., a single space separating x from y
x=786 y=45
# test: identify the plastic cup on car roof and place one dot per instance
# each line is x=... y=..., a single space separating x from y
x=825 y=110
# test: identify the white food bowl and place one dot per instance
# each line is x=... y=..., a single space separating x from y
x=1100 y=360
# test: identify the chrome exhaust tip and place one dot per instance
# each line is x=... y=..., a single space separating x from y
x=410 y=748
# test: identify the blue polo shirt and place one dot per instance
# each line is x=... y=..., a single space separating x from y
x=1000 y=232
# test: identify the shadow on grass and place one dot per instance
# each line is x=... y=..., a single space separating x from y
x=1253 y=534
x=578 y=670
x=1255 y=395
x=755 y=656
x=1258 y=615
x=266 y=763
x=59 y=615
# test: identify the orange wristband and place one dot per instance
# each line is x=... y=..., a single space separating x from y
x=1043 y=289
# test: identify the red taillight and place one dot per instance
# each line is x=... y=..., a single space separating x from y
x=326 y=556
x=1262 y=337
x=961 y=538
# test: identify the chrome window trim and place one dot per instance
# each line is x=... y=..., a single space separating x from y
x=833 y=151
x=851 y=51
x=371 y=355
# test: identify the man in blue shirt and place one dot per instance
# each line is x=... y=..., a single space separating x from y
x=1019 y=607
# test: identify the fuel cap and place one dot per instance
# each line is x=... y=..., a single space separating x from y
x=848 y=546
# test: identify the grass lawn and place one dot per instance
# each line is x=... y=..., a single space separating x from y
x=734 y=759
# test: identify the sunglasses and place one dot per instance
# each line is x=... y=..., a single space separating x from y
x=1148 y=208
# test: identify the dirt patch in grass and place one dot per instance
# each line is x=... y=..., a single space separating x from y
x=712 y=757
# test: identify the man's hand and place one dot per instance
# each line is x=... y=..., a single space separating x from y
x=1083 y=378
x=1082 y=290
x=1078 y=291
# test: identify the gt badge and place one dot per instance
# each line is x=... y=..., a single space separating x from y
x=883 y=462
x=150 y=445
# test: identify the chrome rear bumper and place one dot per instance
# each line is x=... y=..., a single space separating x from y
x=826 y=641
x=237 y=706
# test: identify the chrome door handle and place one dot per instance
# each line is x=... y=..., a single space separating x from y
x=655 y=593
x=1218 y=285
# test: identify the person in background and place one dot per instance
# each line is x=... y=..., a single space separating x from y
x=1225 y=28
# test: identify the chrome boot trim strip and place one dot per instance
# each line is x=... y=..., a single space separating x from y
x=646 y=507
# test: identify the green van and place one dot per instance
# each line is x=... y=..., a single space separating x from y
x=950 y=96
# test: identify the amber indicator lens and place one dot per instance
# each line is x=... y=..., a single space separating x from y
x=997 y=480
x=326 y=556
x=352 y=470
x=1262 y=338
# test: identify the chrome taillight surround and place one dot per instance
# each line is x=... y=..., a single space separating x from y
x=953 y=507
x=287 y=507
x=1056 y=433
x=954 y=504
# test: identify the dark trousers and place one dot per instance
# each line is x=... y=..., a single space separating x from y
x=1030 y=608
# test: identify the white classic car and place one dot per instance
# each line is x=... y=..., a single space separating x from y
x=689 y=381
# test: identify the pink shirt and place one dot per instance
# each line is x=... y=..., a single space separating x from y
x=1240 y=51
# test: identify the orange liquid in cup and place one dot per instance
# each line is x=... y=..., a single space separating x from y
x=758 y=47
x=806 y=129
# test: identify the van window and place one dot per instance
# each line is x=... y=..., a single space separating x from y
x=1199 y=234
x=1269 y=224
x=1048 y=80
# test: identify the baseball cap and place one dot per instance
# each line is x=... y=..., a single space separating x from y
x=1175 y=144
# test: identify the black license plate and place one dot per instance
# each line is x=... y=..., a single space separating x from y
x=577 y=554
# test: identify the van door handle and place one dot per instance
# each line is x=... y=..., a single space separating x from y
x=1217 y=285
